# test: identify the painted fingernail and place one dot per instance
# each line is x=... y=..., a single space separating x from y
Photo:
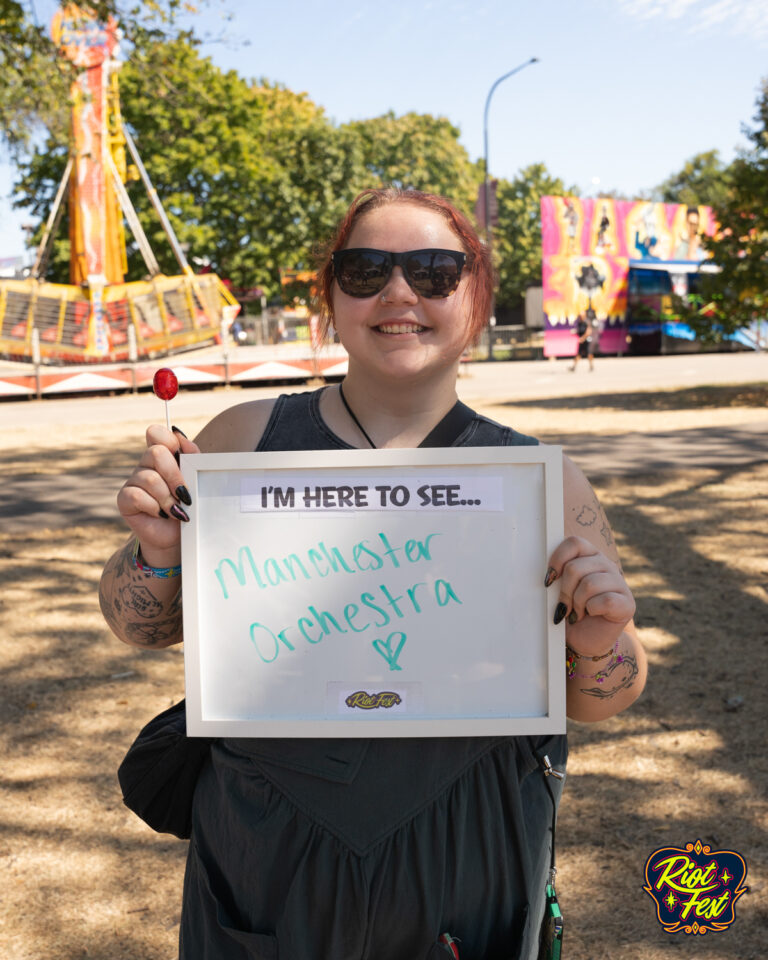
x=573 y=616
x=183 y=494
x=176 y=430
x=176 y=454
x=180 y=513
x=560 y=610
x=163 y=514
x=550 y=577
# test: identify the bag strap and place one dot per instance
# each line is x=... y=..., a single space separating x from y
x=549 y=771
x=451 y=427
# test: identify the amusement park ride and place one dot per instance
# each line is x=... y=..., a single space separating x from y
x=98 y=317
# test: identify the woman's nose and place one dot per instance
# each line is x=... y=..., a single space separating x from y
x=397 y=288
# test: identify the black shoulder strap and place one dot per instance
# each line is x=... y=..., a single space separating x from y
x=451 y=427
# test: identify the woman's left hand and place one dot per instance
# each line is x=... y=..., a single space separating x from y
x=594 y=599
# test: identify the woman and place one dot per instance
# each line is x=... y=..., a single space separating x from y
x=354 y=848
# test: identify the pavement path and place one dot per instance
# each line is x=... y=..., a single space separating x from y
x=65 y=499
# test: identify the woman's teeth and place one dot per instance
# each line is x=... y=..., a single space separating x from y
x=401 y=328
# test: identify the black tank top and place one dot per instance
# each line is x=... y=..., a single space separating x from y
x=296 y=424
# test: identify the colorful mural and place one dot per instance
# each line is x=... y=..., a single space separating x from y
x=587 y=246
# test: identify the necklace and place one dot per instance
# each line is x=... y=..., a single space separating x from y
x=354 y=418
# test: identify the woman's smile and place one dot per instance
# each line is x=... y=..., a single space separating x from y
x=397 y=327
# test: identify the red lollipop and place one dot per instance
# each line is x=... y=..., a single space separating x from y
x=166 y=386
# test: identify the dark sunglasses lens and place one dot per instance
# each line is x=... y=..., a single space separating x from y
x=432 y=274
x=361 y=274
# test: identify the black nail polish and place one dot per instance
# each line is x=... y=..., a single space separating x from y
x=180 y=513
x=176 y=430
x=550 y=577
x=163 y=514
x=183 y=494
x=176 y=455
x=573 y=616
x=560 y=611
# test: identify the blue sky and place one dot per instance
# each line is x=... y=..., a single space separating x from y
x=624 y=93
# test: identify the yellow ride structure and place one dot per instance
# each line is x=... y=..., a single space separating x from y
x=98 y=316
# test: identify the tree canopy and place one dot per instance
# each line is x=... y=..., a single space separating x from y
x=703 y=180
x=416 y=151
x=737 y=295
x=517 y=238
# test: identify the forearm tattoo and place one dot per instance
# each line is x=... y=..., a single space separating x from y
x=132 y=610
x=150 y=634
x=623 y=674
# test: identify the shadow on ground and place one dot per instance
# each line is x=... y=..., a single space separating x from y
x=689 y=398
x=86 y=878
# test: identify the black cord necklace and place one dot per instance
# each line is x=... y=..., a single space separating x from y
x=354 y=418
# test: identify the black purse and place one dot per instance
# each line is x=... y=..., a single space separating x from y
x=159 y=773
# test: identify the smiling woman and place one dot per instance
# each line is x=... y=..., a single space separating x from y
x=331 y=848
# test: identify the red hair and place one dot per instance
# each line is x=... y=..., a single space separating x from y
x=481 y=278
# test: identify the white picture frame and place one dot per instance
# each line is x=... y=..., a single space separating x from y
x=373 y=593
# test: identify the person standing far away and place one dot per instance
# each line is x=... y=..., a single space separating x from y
x=585 y=331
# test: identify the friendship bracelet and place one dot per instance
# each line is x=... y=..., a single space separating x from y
x=581 y=656
x=571 y=657
x=162 y=573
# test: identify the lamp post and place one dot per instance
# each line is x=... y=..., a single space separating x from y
x=486 y=183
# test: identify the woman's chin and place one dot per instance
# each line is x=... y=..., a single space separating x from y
x=402 y=366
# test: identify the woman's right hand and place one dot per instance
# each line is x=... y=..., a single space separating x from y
x=154 y=499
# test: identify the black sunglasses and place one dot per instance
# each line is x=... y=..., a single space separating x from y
x=362 y=272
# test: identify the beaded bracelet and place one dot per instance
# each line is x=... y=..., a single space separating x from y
x=602 y=675
x=162 y=573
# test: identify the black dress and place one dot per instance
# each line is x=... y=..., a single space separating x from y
x=354 y=849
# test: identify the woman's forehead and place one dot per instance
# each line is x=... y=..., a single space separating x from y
x=403 y=226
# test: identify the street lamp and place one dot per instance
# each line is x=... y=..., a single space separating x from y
x=486 y=184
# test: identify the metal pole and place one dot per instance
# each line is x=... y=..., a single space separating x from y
x=133 y=220
x=158 y=207
x=43 y=251
x=486 y=181
x=133 y=355
x=36 y=360
x=224 y=330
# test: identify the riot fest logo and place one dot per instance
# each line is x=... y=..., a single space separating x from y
x=695 y=889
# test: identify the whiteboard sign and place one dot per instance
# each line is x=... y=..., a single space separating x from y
x=373 y=593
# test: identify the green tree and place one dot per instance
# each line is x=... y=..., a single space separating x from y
x=737 y=295
x=416 y=151
x=35 y=80
x=517 y=238
x=704 y=180
x=33 y=84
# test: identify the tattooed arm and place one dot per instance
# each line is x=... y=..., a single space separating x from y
x=598 y=607
x=140 y=609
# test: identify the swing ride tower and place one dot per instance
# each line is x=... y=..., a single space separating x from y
x=98 y=316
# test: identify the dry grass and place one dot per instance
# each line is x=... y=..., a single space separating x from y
x=82 y=877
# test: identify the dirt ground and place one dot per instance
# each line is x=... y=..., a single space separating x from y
x=82 y=877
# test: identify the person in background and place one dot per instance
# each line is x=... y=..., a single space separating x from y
x=586 y=333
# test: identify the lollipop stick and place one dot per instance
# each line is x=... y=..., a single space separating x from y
x=167 y=416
